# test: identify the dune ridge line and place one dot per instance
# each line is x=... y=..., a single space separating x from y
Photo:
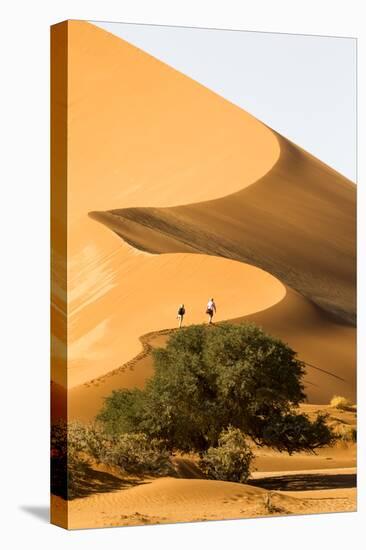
x=297 y=223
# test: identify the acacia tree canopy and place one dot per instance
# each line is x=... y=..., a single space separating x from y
x=210 y=378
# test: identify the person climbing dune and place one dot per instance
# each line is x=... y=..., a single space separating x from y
x=210 y=309
x=180 y=314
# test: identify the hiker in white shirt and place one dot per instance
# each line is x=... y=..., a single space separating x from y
x=210 y=310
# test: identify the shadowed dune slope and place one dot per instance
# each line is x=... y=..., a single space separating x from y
x=327 y=347
x=297 y=222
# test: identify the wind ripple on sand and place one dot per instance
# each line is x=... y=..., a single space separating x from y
x=169 y=500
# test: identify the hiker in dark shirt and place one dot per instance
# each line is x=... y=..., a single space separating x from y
x=180 y=314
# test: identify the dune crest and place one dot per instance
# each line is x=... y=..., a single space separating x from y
x=297 y=222
x=127 y=295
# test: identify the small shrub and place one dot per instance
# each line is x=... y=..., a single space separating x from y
x=74 y=445
x=68 y=465
x=344 y=432
x=340 y=402
x=135 y=453
x=270 y=507
x=231 y=460
x=96 y=442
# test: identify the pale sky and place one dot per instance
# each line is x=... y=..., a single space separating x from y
x=302 y=86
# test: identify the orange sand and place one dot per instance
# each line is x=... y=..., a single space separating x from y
x=170 y=500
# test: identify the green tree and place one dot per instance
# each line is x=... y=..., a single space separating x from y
x=210 y=378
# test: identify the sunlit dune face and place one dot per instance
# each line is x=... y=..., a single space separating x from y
x=116 y=297
x=142 y=134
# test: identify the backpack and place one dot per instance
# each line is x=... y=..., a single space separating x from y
x=181 y=311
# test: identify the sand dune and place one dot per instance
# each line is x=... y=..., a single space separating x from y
x=287 y=213
x=122 y=296
x=142 y=133
x=161 y=140
x=328 y=348
x=170 y=500
x=297 y=222
x=279 y=485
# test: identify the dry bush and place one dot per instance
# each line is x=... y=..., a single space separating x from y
x=272 y=508
x=68 y=461
x=344 y=432
x=73 y=446
x=230 y=460
x=135 y=453
x=341 y=403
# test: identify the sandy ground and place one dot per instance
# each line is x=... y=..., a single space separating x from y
x=279 y=485
x=171 y=500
